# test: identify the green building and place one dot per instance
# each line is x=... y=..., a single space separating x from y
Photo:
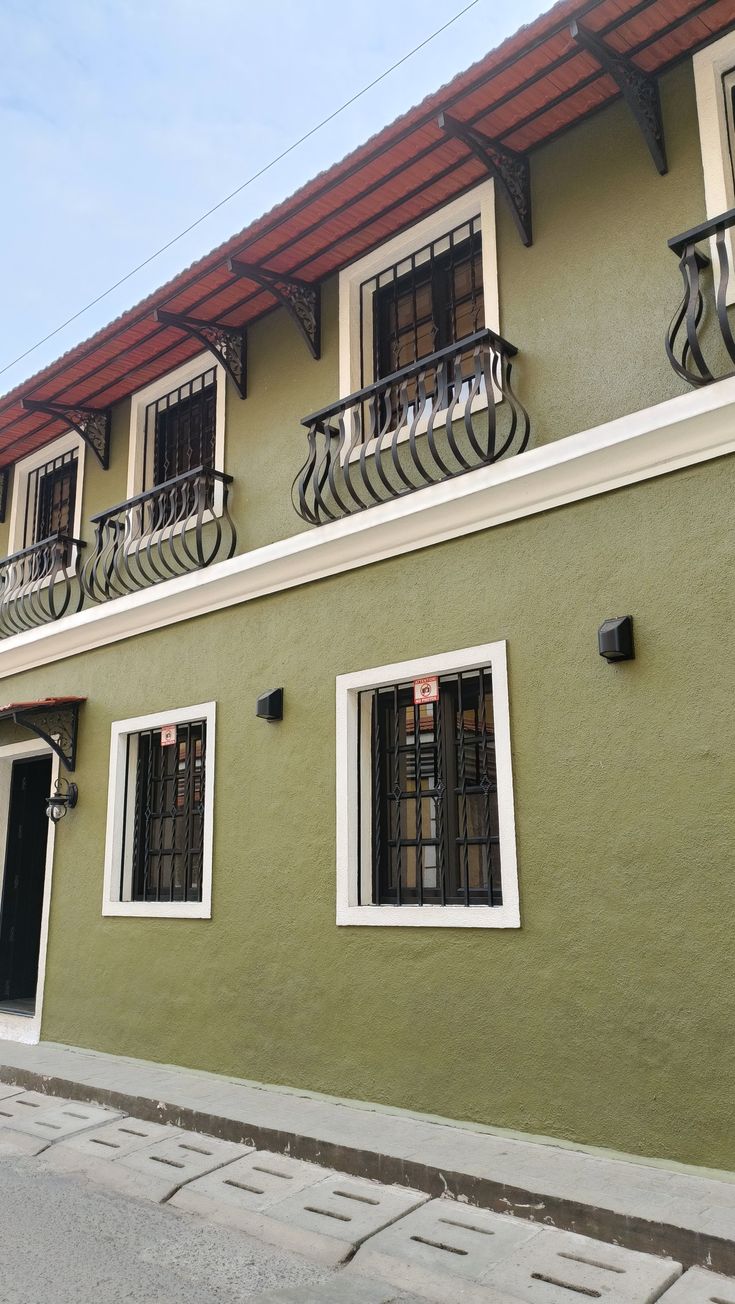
x=309 y=562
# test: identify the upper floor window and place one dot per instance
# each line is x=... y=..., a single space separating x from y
x=180 y=429
x=429 y=287
x=50 y=498
x=47 y=502
x=425 y=802
x=424 y=302
x=177 y=424
x=714 y=79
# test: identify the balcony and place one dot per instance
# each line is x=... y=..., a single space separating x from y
x=40 y=584
x=422 y=425
x=700 y=343
x=179 y=526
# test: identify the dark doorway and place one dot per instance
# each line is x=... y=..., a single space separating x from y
x=23 y=882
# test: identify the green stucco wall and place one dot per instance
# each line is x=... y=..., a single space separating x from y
x=607 y=1019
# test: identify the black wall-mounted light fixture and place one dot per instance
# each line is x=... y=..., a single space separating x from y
x=63 y=798
x=269 y=706
x=615 y=639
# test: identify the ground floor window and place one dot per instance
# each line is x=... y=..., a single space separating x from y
x=425 y=802
x=160 y=814
x=434 y=806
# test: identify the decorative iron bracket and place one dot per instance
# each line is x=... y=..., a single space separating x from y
x=510 y=169
x=301 y=299
x=93 y=424
x=638 y=89
x=227 y=343
x=57 y=725
x=4 y=483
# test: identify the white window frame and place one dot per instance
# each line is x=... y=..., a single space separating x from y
x=478 y=202
x=116 y=815
x=349 y=832
x=157 y=389
x=67 y=443
x=719 y=183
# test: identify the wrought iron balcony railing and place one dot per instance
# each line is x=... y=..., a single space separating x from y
x=449 y=413
x=40 y=584
x=180 y=526
x=700 y=343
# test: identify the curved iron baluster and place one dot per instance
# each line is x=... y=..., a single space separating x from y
x=721 y=295
x=685 y=347
x=438 y=405
x=38 y=584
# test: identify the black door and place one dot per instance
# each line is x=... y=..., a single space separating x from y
x=23 y=880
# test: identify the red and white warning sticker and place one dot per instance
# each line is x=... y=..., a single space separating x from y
x=426 y=689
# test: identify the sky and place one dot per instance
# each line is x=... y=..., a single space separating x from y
x=123 y=121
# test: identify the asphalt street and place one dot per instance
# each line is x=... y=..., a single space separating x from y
x=64 y=1241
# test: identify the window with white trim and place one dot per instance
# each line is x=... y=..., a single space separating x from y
x=425 y=793
x=47 y=503
x=714 y=79
x=425 y=289
x=159 y=839
x=177 y=424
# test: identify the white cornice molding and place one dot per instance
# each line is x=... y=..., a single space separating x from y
x=694 y=427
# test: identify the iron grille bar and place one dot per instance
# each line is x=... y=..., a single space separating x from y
x=700 y=343
x=428 y=422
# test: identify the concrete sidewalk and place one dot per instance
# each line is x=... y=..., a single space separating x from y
x=661 y=1209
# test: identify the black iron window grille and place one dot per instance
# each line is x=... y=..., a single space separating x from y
x=163 y=835
x=50 y=499
x=430 y=798
x=422 y=303
x=179 y=430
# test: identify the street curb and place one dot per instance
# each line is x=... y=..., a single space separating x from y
x=690 y=1248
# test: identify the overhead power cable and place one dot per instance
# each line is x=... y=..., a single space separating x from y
x=239 y=189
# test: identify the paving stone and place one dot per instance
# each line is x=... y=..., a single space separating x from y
x=341 y=1290
x=233 y=1194
x=698 y=1286
x=90 y=1152
x=554 y=1266
x=57 y=1121
x=25 y=1105
x=445 y=1250
x=6 y=1090
x=329 y=1220
x=13 y=1143
x=156 y=1171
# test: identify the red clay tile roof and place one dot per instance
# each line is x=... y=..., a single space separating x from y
x=534 y=86
x=42 y=704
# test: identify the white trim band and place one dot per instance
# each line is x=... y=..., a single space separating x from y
x=682 y=431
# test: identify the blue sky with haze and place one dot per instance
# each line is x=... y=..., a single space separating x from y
x=122 y=121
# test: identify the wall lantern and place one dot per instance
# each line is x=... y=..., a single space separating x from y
x=615 y=639
x=63 y=798
x=269 y=706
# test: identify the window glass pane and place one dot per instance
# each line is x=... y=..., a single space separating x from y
x=424 y=303
x=435 y=812
x=168 y=833
x=180 y=430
